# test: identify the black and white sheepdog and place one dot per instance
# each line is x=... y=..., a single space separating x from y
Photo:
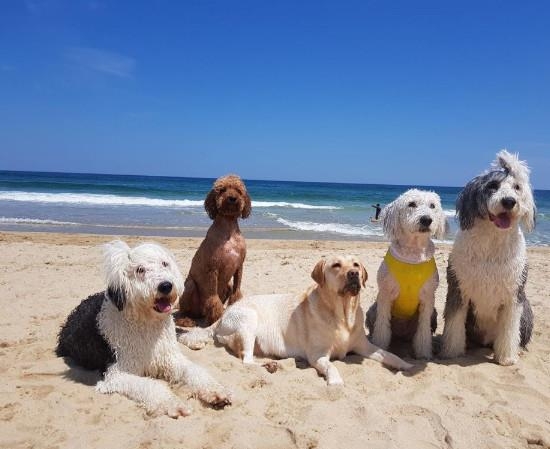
x=487 y=268
x=407 y=277
x=127 y=332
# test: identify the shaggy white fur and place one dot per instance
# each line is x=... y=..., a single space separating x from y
x=488 y=264
x=143 y=284
x=410 y=221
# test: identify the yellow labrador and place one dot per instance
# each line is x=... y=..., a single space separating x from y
x=322 y=324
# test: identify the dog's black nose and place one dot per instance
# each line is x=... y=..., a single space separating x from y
x=426 y=220
x=353 y=275
x=165 y=287
x=232 y=199
x=508 y=202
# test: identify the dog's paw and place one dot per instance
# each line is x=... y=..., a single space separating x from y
x=103 y=387
x=506 y=361
x=216 y=398
x=191 y=341
x=406 y=366
x=271 y=367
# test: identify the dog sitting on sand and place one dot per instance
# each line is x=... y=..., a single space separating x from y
x=322 y=324
x=128 y=333
x=220 y=257
x=408 y=277
x=487 y=268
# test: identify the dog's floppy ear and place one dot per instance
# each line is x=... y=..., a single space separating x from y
x=318 y=273
x=471 y=203
x=210 y=204
x=116 y=256
x=390 y=220
x=117 y=295
x=247 y=208
x=364 y=275
x=529 y=220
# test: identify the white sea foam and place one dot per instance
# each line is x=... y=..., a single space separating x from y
x=11 y=220
x=116 y=200
x=94 y=199
x=292 y=205
x=336 y=228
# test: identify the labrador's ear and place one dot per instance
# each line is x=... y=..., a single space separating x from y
x=318 y=273
x=364 y=275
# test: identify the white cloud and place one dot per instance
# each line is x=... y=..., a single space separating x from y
x=102 y=61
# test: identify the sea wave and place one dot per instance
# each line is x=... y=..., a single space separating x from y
x=35 y=221
x=336 y=228
x=116 y=200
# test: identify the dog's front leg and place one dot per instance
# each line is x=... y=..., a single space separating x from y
x=456 y=309
x=203 y=385
x=326 y=368
x=236 y=289
x=506 y=345
x=388 y=291
x=422 y=340
x=213 y=306
x=381 y=335
x=152 y=394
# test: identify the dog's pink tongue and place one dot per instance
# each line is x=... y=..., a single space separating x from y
x=163 y=305
x=502 y=220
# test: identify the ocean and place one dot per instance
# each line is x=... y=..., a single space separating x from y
x=173 y=206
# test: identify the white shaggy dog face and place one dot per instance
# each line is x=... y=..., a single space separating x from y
x=145 y=278
x=414 y=212
x=503 y=195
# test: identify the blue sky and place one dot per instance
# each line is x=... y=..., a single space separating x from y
x=401 y=92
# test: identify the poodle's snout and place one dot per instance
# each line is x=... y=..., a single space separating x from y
x=508 y=202
x=165 y=287
x=232 y=199
x=425 y=220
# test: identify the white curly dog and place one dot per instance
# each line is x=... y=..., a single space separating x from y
x=128 y=332
x=321 y=324
x=408 y=277
x=487 y=269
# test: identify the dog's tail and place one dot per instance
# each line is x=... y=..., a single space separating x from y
x=198 y=337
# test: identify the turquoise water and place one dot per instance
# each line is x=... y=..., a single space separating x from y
x=150 y=205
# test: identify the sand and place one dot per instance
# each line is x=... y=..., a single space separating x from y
x=464 y=403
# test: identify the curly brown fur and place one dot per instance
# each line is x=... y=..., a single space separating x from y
x=217 y=267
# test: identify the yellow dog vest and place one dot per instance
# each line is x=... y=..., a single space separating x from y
x=410 y=277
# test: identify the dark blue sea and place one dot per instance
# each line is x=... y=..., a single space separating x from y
x=165 y=206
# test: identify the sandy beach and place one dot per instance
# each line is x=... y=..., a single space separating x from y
x=464 y=403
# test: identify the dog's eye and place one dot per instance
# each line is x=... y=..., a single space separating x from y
x=223 y=190
x=355 y=264
x=164 y=263
x=140 y=270
x=517 y=187
x=412 y=204
x=432 y=206
x=493 y=185
x=336 y=265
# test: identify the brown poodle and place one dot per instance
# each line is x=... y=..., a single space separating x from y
x=220 y=256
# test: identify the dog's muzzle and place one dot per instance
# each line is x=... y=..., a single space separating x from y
x=163 y=302
x=424 y=223
x=353 y=283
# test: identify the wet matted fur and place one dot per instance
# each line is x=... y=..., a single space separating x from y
x=127 y=332
x=487 y=268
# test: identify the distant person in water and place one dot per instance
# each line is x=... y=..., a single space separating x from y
x=378 y=209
